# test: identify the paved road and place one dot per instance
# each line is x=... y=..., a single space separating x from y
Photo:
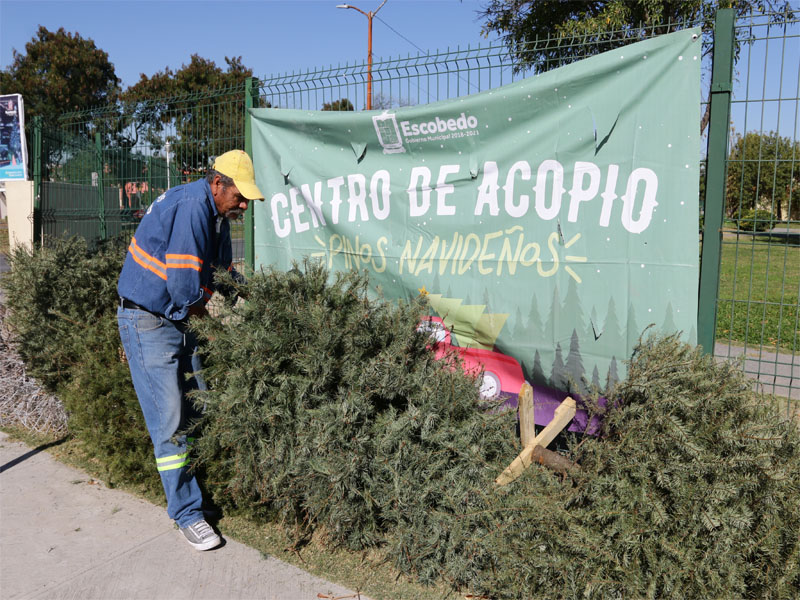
x=66 y=536
x=779 y=373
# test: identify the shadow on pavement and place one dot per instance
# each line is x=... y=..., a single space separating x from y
x=29 y=454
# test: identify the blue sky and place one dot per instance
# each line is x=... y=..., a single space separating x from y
x=271 y=36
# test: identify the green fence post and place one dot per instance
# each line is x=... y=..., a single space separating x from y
x=149 y=179
x=251 y=88
x=719 y=124
x=101 y=212
x=37 y=180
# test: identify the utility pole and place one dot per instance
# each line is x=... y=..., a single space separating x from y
x=369 y=16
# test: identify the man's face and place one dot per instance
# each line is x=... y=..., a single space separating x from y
x=230 y=203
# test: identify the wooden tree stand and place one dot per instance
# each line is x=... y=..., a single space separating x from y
x=535 y=446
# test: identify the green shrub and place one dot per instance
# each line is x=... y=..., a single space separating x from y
x=54 y=293
x=103 y=410
x=62 y=302
x=327 y=411
x=756 y=220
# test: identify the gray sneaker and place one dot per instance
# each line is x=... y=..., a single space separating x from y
x=201 y=536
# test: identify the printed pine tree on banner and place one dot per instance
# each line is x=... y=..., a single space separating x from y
x=574 y=366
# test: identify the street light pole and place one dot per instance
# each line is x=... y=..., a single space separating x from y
x=369 y=16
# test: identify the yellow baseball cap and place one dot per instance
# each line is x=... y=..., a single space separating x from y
x=238 y=166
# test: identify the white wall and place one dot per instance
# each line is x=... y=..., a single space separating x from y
x=19 y=203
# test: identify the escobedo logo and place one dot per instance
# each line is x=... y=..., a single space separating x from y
x=388 y=133
x=391 y=136
x=439 y=125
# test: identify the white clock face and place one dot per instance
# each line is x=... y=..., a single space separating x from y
x=490 y=386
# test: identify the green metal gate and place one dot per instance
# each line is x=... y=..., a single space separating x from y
x=96 y=171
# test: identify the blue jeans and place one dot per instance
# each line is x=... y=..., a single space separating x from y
x=160 y=354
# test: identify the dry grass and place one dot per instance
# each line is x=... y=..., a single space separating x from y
x=22 y=401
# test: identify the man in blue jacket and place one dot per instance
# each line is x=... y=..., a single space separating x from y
x=166 y=278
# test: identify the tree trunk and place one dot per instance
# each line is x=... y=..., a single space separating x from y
x=554 y=461
x=706 y=115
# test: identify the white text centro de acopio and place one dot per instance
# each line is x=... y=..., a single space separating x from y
x=543 y=190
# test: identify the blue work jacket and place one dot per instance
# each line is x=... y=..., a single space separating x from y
x=181 y=240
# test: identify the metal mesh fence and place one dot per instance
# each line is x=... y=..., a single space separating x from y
x=758 y=316
x=102 y=168
x=440 y=75
x=94 y=192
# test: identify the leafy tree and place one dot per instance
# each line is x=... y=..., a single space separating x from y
x=600 y=25
x=337 y=105
x=60 y=72
x=763 y=174
x=178 y=107
x=381 y=101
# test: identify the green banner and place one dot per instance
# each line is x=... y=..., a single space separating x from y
x=549 y=220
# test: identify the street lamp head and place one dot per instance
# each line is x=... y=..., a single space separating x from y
x=342 y=6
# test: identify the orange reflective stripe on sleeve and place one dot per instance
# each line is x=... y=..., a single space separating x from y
x=189 y=261
x=182 y=266
x=189 y=257
x=144 y=260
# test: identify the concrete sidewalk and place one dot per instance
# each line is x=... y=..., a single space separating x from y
x=64 y=535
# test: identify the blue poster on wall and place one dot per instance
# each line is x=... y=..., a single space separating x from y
x=13 y=151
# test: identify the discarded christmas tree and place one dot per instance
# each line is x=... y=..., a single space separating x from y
x=327 y=409
x=694 y=492
x=62 y=302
